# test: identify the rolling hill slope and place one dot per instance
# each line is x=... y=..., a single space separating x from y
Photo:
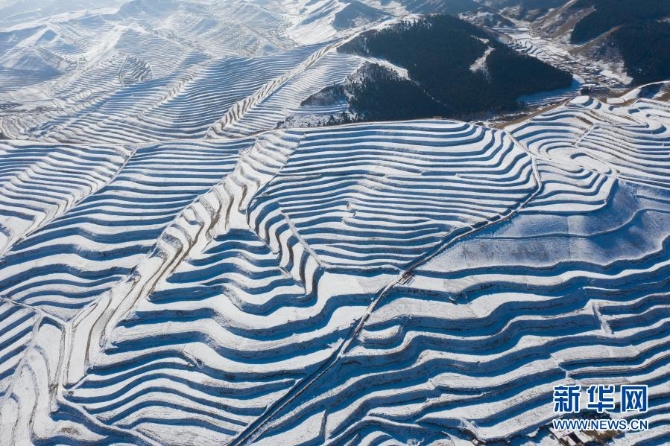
x=378 y=282
x=180 y=264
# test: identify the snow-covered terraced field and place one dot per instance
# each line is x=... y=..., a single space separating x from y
x=16 y=329
x=380 y=196
x=619 y=141
x=39 y=183
x=168 y=108
x=331 y=69
x=75 y=244
x=177 y=267
x=472 y=346
x=160 y=70
x=395 y=283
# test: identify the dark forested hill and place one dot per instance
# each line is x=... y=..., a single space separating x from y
x=635 y=28
x=455 y=68
x=609 y=14
x=645 y=48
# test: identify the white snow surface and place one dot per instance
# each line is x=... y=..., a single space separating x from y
x=176 y=270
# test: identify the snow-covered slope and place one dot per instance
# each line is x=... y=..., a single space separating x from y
x=572 y=288
x=162 y=69
x=175 y=269
x=371 y=283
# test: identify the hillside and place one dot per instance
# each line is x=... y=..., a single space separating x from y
x=630 y=33
x=454 y=69
x=635 y=29
x=245 y=291
x=188 y=257
x=608 y=15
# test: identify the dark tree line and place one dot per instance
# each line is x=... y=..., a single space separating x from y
x=382 y=95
